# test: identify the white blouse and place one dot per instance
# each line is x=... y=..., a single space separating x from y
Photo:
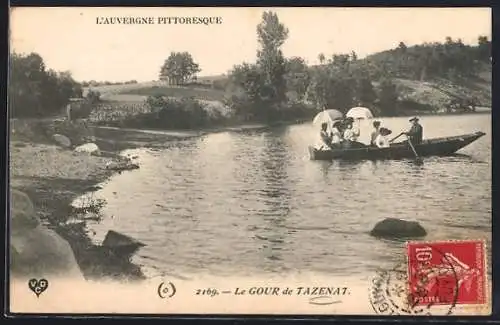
x=382 y=141
x=337 y=137
x=351 y=134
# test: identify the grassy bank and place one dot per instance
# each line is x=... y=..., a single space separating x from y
x=178 y=92
x=194 y=108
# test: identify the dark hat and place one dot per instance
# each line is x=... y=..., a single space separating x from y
x=385 y=131
x=414 y=119
x=349 y=119
x=336 y=123
x=324 y=124
x=376 y=123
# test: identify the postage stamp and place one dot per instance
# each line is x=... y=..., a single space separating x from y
x=447 y=272
x=233 y=160
x=438 y=278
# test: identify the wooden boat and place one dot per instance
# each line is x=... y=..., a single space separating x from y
x=432 y=147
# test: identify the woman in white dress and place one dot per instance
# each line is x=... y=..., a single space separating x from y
x=381 y=140
x=351 y=134
x=336 y=135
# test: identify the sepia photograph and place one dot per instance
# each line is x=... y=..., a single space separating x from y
x=329 y=161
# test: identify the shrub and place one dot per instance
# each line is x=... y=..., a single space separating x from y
x=77 y=131
x=35 y=91
x=115 y=113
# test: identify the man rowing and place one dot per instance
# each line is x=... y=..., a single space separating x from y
x=415 y=134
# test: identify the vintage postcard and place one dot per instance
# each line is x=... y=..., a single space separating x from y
x=313 y=161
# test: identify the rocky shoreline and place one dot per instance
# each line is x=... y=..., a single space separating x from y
x=54 y=176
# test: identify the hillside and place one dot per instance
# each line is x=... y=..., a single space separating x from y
x=433 y=94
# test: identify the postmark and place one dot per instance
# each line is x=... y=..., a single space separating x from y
x=389 y=295
x=435 y=267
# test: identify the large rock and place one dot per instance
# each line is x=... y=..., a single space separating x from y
x=37 y=251
x=121 y=245
x=90 y=148
x=121 y=165
x=62 y=140
x=397 y=228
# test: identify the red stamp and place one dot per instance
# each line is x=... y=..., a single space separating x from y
x=446 y=272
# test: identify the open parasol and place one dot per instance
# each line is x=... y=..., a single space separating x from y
x=359 y=113
x=328 y=116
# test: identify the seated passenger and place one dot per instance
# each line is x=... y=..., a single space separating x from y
x=381 y=140
x=351 y=134
x=326 y=139
x=336 y=135
x=375 y=132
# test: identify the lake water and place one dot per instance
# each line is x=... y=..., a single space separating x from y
x=252 y=202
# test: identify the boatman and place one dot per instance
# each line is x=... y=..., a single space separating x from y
x=415 y=134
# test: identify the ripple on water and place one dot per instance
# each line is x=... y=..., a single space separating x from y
x=253 y=202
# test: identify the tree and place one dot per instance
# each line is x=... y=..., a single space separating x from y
x=247 y=88
x=297 y=76
x=321 y=58
x=354 y=56
x=36 y=91
x=365 y=94
x=271 y=35
x=341 y=60
x=388 y=97
x=484 y=48
x=332 y=86
x=178 y=68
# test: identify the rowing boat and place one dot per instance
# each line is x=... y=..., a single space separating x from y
x=431 y=147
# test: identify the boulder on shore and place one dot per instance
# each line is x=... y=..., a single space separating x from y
x=121 y=245
x=62 y=140
x=35 y=249
x=121 y=165
x=90 y=148
x=397 y=228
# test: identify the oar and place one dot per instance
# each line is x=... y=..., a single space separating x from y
x=396 y=137
x=418 y=160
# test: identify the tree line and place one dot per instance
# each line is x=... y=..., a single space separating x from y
x=451 y=59
x=275 y=86
x=35 y=91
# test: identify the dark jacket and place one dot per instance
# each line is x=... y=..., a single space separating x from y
x=416 y=133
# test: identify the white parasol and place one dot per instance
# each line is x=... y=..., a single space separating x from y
x=359 y=113
x=328 y=116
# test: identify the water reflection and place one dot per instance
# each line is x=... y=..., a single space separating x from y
x=276 y=195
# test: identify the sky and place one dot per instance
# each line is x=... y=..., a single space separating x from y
x=70 y=38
